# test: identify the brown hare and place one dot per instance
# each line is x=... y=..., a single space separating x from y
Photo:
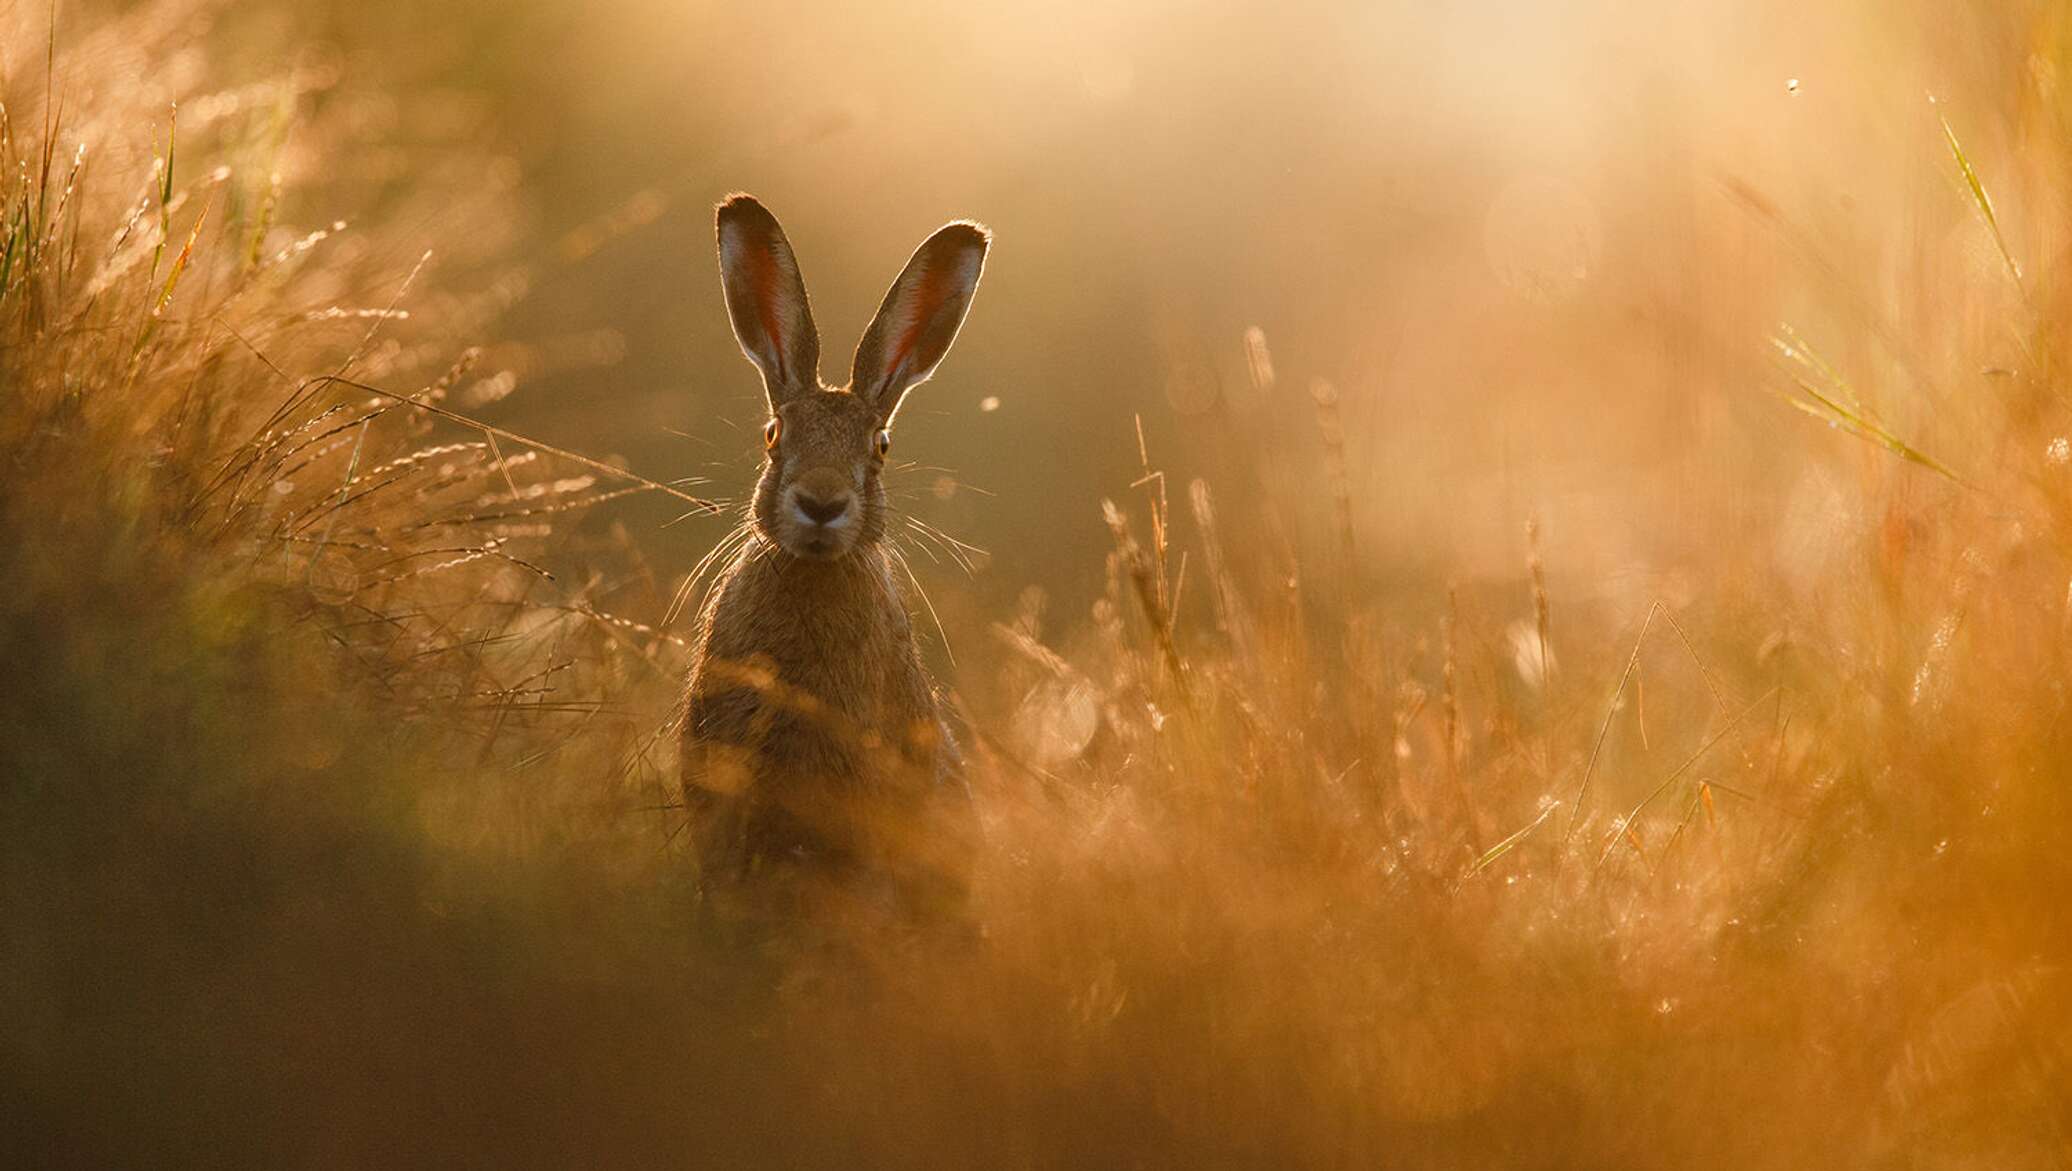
x=813 y=740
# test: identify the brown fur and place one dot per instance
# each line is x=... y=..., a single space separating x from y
x=812 y=736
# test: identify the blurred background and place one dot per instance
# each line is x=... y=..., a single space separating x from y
x=1536 y=248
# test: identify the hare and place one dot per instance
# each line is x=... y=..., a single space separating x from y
x=813 y=739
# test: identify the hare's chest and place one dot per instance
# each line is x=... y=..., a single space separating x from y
x=835 y=652
x=838 y=664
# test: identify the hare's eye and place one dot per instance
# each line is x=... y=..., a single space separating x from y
x=881 y=443
x=771 y=430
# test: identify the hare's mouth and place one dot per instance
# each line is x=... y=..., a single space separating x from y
x=821 y=548
x=817 y=545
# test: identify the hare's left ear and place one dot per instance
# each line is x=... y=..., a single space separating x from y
x=920 y=316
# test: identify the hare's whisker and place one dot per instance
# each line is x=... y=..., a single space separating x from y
x=721 y=549
x=927 y=603
x=958 y=551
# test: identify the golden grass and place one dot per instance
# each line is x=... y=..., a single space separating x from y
x=340 y=825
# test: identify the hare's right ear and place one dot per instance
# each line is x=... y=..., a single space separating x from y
x=766 y=297
x=920 y=316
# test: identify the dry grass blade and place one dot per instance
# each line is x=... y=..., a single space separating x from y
x=1144 y=579
x=1611 y=709
x=1331 y=429
x=709 y=507
x=1626 y=823
x=1231 y=614
x=1542 y=608
x=1490 y=856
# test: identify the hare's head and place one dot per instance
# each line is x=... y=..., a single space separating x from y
x=821 y=495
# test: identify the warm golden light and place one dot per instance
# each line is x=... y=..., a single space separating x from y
x=1500 y=574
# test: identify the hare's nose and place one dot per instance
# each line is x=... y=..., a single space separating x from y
x=822 y=511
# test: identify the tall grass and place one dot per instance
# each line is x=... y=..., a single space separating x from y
x=340 y=825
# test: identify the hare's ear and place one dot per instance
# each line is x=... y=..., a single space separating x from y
x=920 y=316
x=766 y=297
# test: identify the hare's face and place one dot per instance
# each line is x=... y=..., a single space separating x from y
x=821 y=497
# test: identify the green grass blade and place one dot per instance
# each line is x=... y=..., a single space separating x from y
x=1839 y=406
x=1982 y=201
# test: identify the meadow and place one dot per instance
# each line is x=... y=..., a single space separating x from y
x=1508 y=591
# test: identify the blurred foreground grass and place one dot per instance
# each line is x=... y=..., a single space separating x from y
x=335 y=789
